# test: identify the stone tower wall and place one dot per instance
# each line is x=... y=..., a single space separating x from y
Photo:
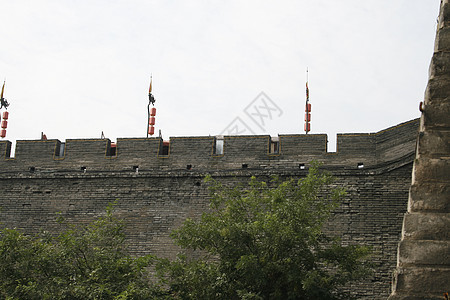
x=423 y=264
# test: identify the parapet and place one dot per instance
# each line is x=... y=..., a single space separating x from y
x=209 y=152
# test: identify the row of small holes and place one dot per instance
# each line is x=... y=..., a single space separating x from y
x=189 y=167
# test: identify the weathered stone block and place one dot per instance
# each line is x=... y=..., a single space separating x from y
x=440 y=65
x=424 y=253
x=416 y=296
x=442 y=42
x=433 y=144
x=431 y=170
x=436 y=116
x=421 y=282
x=437 y=90
x=444 y=15
x=431 y=197
x=426 y=226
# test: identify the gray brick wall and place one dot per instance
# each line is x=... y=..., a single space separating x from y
x=164 y=191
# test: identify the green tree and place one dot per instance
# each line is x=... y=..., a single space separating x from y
x=264 y=242
x=89 y=262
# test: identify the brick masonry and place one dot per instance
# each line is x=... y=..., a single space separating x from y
x=156 y=192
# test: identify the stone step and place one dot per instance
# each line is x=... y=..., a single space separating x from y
x=426 y=253
x=434 y=144
x=428 y=296
x=440 y=64
x=442 y=42
x=431 y=197
x=420 y=282
x=437 y=90
x=435 y=116
x=426 y=226
x=431 y=170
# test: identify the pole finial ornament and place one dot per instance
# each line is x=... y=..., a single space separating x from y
x=307 y=108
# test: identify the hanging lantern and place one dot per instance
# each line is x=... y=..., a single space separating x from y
x=153 y=111
x=307 y=127
x=151 y=130
x=308 y=107
x=307 y=117
x=151 y=121
x=4 y=124
x=3 y=133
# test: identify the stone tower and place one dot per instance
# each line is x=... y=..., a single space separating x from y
x=423 y=261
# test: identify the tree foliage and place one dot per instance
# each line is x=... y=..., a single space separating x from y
x=89 y=262
x=265 y=242
x=261 y=241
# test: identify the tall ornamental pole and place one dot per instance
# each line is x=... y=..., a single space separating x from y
x=3 y=103
x=307 y=108
x=151 y=112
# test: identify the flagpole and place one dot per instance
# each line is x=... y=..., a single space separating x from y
x=149 y=101
x=307 y=106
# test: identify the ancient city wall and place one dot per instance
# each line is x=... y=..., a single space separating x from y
x=157 y=190
x=371 y=149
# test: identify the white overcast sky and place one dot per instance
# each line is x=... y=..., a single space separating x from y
x=76 y=68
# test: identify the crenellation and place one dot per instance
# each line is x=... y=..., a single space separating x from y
x=356 y=144
x=195 y=151
x=5 y=150
x=141 y=152
x=245 y=147
x=296 y=145
x=29 y=151
x=86 y=150
x=290 y=151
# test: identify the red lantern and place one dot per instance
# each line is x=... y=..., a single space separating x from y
x=151 y=121
x=307 y=127
x=151 y=130
x=5 y=115
x=4 y=124
x=308 y=107
x=307 y=117
x=153 y=112
x=3 y=133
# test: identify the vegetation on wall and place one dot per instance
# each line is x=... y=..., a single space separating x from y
x=266 y=243
x=261 y=241
x=89 y=262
